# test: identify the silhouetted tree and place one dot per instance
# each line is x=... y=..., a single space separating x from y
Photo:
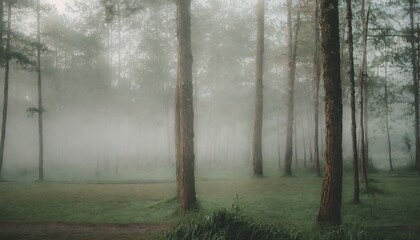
x=258 y=121
x=315 y=86
x=349 y=16
x=292 y=49
x=40 y=108
x=330 y=207
x=412 y=40
x=363 y=96
x=5 y=56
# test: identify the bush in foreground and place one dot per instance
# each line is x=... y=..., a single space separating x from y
x=223 y=224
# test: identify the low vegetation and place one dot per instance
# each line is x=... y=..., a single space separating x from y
x=285 y=207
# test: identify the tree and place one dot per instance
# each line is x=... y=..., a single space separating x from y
x=6 y=74
x=258 y=121
x=356 y=188
x=330 y=207
x=316 y=76
x=40 y=108
x=363 y=96
x=292 y=49
x=184 y=112
x=415 y=83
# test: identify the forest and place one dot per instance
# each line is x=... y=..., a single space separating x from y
x=210 y=119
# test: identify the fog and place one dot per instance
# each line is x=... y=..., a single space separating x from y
x=109 y=95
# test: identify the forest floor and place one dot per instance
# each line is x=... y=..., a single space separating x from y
x=49 y=210
x=64 y=231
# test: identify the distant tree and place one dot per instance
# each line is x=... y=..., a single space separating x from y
x=363 y=97
x=258 y=121
x=292 y=50
x=5 y=56
x=315 y=87
x=356 y=188
x=184 y=112
x=40 y=108
x=412 y=40
x=330 y=207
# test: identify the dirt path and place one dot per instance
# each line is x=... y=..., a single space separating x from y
x=34 y=231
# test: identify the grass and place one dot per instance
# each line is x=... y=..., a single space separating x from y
x=391 y=209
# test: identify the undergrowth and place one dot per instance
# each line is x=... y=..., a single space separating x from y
x=224 y=224
x=232 y=225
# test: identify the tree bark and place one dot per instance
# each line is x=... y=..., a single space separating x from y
x=391 y=167
x=40 y=108
x=258 y=121
x=292 y=49
x=330 y=207
x=6 y=56
x=415 y=84
x=363 y=75
x=315 y=87
x=184 y=116
x=356 y=187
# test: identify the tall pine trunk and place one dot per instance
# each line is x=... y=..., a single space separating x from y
x=391 y=167
x=40 y=108
x=6 y=56
x=363 y=76
x=415 y=84
x=184 y=112
x=258 y=121
x=330 y=207
x=315 y=87
x=292 y=49
x=356 y=187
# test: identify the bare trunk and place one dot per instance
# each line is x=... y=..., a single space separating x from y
x=295 y=143
x=387 y=121
x=258 y=121
x=292 y=49
x=278 y=139
x=40 y=108
x=6 y=78
x=119 y=41
x=356 y=187
x=304 y=144
x=184 y=119
x=415 y=84
x=363 y=75
x=317 y=73
x=330 y=207
x=418 y=79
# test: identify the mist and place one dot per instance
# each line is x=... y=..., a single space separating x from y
x=109 y=95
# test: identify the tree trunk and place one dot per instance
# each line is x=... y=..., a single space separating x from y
x=415 y=84
x=387 y=119
x=315 y=87
x=363 y=75
x=40 y=108
x=292 y=49
x=295 y=155
x=330 y=207
x=356 y=187
x=278 y=138
x=6 y=77
x=258 y=121
x=119 y=42
x=418 y=79
x=304 y=143
x=184 y=115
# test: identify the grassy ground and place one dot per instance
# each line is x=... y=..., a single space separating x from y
x=392 y=208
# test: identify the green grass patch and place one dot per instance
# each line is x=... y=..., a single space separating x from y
x=389 y=210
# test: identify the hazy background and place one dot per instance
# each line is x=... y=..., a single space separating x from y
x=109 y=94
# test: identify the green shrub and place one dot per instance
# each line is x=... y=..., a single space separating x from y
x=224 y=224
